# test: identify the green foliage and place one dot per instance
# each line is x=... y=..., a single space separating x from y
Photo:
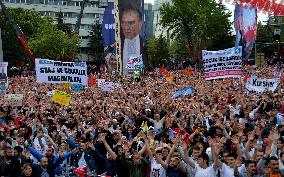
x=66 y=28
x=55 y=44
x=157 y=51
x=96 y=41
x=196 y=21
x=178 y=49
x=45 y=40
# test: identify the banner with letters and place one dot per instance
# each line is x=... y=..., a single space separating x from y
x=261 y=85
x=223 y=63
x=49 y=71
x=14 y=99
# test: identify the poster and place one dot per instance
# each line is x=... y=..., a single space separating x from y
x=261 y=85
x=246 y=28
x=62 y=98
x=223 y=63
x=129 y=32
x=135 y=64
x=49 y=71
x=14 y=99
x=108 y=31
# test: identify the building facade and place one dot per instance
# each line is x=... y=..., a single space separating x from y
x=158 y=30
x=148 y=20
x=70 y=9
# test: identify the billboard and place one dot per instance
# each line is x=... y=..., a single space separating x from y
x=246 y=27
x=129 y=33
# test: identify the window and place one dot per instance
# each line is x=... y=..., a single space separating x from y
x=64 y=3
x=18 y=1
x=46 y=1
x=77 y=3
x=12 y=1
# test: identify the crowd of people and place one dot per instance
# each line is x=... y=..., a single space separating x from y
x=139 y=130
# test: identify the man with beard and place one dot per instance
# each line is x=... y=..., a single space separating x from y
x=9 y=165
x=250 y=170
x=48 y=162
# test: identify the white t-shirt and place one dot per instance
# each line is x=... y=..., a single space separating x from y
x=228 y=171
x=157 y=170
x=82 y=163
x=207 y=172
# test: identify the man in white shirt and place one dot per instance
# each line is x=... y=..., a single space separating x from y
x=156 y=169
x=131 y=24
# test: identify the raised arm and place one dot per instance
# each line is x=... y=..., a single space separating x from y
x=108 y=148
x=187 y=159
x=163 y=163
x=170 y=153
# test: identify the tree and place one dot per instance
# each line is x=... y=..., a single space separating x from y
x=44 y=39
x=200 y=23
x=157 y=51
x=29 y=21
x=178 y=49
x=96 y=41
x=265 y=36
x=66 y=28
x=55 y=44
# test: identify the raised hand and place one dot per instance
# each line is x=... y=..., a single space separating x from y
x=235 y=139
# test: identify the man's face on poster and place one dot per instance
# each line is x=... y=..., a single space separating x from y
x=131 y=24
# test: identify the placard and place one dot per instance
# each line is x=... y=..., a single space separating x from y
x=14 y=99
x=261 y=85
x=62 y=98
x=223 y=63
x=77 y=87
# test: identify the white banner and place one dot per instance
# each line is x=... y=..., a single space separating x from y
x=14 y=99
x=110 y=86
x=261 y=85
x=49 y=71
x=222 y=63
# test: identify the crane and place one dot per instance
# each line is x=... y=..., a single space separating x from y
x=18 y=31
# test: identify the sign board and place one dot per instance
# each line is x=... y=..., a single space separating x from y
x=261 y=85
x=49 y=71
x=14 y=99
x=223 y=63
x=62 y=98
x=77 y=87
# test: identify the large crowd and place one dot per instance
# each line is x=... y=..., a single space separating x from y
x=139 y=130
